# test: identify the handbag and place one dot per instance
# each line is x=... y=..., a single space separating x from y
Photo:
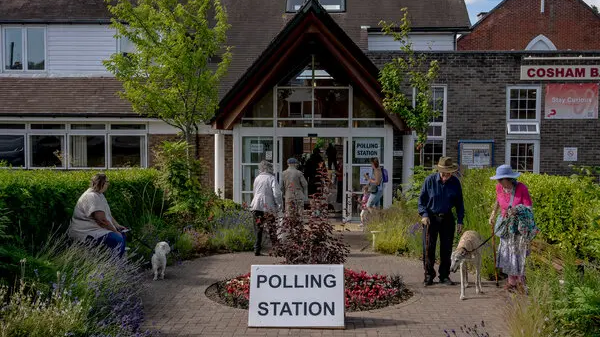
x=500 y=230
x=373 y=189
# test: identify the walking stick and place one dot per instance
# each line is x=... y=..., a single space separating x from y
x=426 y=255
x=494 y=250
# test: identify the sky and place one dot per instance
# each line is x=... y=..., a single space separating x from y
x=478 y=6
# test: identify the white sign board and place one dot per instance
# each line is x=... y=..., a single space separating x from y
x=367 y=148
x=257 y=148
x=474 y=155
x=570 y=154
x=363 y=170
x=269 y=155
x=398 y=154
x=560 y=72
x=296 y=296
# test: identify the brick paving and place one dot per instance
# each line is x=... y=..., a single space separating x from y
x=178 y=306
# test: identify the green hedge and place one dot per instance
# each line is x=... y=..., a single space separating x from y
x=41 y=202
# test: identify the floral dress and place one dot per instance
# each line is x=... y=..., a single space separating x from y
x=514 y=247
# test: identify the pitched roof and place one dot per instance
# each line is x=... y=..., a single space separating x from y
x=311 y=31
x=66 y=96
x=53 y=11
x=255 y=23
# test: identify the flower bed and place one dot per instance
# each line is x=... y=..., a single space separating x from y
x=363 y=291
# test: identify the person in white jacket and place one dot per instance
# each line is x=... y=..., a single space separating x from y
x=266 y=204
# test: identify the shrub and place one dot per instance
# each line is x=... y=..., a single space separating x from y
x=33 y=315
x=313 y=242
x=191 y=203
x=232 y=230
x=559 y=304
x=94 y=293
x=40 y=202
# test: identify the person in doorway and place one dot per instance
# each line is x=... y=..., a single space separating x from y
x=512 y=197
x=339 y=177
x=440 y=193
x=293 y=187
x=92 y=220
x=375 y=185
x=265 y=205
x=310 y=171
x=331 y=153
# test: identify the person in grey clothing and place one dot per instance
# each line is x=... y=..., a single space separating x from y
x=266 y=204
x=294 y=187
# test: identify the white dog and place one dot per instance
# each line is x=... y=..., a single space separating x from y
x=159 y=259
x=468 y=249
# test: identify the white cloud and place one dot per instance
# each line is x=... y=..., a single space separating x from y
x=593 y=2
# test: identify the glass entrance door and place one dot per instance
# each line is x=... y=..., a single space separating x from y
x=254 y=150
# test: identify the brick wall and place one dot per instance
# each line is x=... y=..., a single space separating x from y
x=569 y=24
x=206 y=146
x=476 y=106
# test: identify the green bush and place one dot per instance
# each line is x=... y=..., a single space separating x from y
x=565 y=303
x=233 y=230
x=40 y=202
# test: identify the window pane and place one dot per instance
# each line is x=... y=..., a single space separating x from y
x=333 y=5
x=126 y=46
x=88 y=127
x=128 y=127
x=35 y=49
x=47 y=151
x=48 y=126
x=296 y=104
x=262 y=108
x=514 y=94
x=331 y=103
x=249 y=173
x=87 y=151
x=522 y=156
x=523 y=104
x=256 y=149
x=13 y=49
x=360 y=107
x=9 y=126
x=12 y=150
x=126 y=151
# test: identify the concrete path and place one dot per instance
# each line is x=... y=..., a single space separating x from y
x=177 y=306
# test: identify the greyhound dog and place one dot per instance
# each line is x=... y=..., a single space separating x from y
x=467 y=250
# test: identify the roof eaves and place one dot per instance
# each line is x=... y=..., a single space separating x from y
x=55 y=21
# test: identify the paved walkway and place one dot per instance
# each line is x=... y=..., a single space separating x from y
x=177 y=306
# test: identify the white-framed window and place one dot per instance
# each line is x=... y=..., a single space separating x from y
x=523 y=109
x=293 y=6
x=24 y=48
x=523 y=155
x=435 y=147
x=73 y=145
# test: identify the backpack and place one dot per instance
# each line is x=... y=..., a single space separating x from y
x=384 y=175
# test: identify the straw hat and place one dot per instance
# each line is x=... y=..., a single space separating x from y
x=446 y=165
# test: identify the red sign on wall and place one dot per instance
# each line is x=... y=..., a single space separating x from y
x=571 y=101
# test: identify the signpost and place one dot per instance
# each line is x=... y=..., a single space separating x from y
x=296 y=296
x=476 y=154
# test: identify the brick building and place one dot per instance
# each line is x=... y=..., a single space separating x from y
x=535 y=25
x=302 y=73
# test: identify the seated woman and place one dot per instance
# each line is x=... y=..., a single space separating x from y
x=92 y=220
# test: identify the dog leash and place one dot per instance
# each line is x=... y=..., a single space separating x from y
x=483 y=243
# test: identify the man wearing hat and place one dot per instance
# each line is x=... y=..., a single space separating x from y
x=440 y=193
x=293 y=187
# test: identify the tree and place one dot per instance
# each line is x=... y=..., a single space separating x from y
x=409 y=71
x=595 y=9
x=170 y=75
